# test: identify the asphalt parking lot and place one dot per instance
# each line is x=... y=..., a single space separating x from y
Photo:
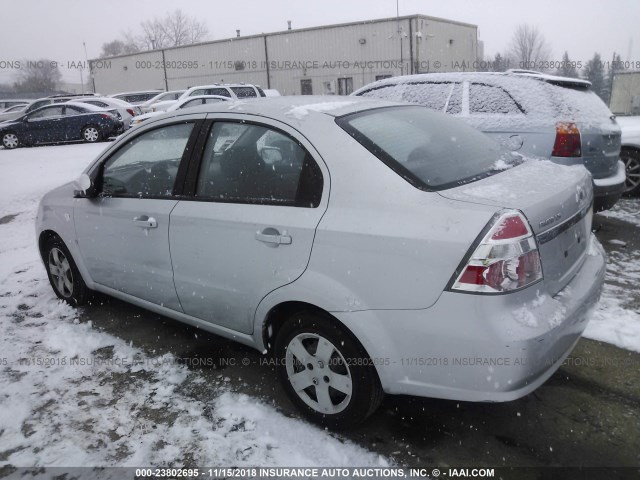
x=587 y=414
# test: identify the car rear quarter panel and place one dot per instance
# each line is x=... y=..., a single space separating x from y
x=382 y=244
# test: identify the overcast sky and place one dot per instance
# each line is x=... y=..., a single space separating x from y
x=56 y=29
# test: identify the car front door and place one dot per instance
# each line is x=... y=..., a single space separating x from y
x=123 y=233
x=248 y=228
x=45 y=125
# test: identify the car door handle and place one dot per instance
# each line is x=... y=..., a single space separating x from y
x=273 y=237
x=145 y=221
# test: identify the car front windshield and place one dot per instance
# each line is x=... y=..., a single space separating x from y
x=432 y=151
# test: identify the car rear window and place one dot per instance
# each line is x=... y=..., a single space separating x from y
x=430 y=150
x=491 y=99
x=579 y=104
x=244 y=92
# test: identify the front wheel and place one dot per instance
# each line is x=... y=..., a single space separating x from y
x=631 y=159
x=63 y=273
x=10 y=140
x=90 y=134
x=325 y=371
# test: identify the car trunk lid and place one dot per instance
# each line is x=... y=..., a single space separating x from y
x=557 y=202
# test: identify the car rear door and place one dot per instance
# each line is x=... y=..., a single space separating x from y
x=256 y=198
x=123 y=234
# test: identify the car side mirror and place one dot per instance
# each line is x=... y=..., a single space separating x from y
x=83 y=187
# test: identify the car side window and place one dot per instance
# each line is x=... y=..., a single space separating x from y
x=244 y=92
x=192 y=103
x=490 y=99
x=223 y=92
x=198 y=92
x=47 y=113
x=147 y=165
x=245 y=163
x=68 y=111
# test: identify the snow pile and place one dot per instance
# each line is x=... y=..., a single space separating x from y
x=626 y=209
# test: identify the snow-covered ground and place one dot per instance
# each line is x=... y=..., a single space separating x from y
x=71 y=395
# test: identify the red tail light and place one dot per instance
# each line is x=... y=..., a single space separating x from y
x=505 y=260
x=107 y=115
x=567 y=140
x=131 y=112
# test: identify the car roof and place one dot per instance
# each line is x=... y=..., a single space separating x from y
x=504 y=79
x=86 y=106
x=298 y=109
x=139 y=92
x=218 y=85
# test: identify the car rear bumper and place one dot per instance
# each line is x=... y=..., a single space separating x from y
x=477 y=347
x=607 y=191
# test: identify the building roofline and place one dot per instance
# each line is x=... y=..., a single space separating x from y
x=297 y=30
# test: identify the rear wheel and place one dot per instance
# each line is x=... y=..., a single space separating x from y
x=10 y=140
x=63 y=273
x=90 y=134
x=325 y=371
x=631 y=159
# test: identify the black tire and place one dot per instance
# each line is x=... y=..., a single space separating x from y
x=91 y=134
x=64 y=276
x=631 y=159
x=350 y=368
x=10 y=140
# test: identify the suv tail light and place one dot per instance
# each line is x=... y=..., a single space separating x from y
x=506 y=258
x=131 y=112
x=567 y=142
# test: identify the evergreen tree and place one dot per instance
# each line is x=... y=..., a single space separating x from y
x=567 y=67
x=594 y=72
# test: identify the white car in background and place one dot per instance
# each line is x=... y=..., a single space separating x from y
x=124 y=110
x=630 y=153
x=165 y=99
x=189 y=102
x=12 y=113
x=230 y=90
x=137 y=98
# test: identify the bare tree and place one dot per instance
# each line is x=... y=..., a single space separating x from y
x=528 y=47
x=174 y=30
x=41 y=75
x=153 y=35
x=118 y=47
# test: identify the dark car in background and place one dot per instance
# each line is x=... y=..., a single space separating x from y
x=557 y=118
x=60 y=123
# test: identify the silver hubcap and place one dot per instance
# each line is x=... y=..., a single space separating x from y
x=10 y=140
x=632 y=165
x=91 y=134
x=318 y=373
x=61 y=272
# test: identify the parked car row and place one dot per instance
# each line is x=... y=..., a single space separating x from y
x=29 y=124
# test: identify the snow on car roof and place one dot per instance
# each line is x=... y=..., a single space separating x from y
x=542 y=97
x=86 y=106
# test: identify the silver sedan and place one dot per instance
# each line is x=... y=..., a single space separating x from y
x=369 y=247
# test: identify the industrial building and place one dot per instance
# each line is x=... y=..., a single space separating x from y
x=625 y=93
x=333 y=59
